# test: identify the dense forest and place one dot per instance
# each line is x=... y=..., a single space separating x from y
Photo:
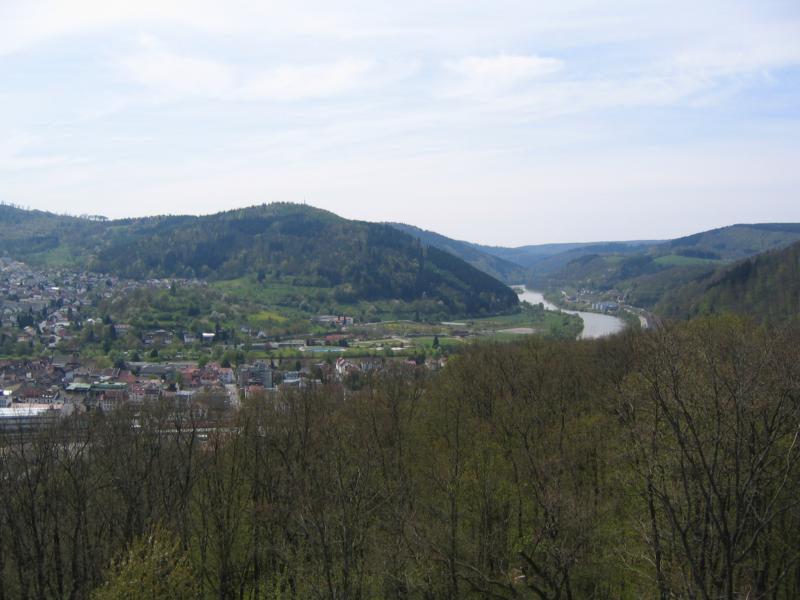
x=286 y=243
x=660 y=464
x=495 y=266
x=766 y=286
x=737 y=241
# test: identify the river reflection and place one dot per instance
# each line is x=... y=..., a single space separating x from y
x=595 y=325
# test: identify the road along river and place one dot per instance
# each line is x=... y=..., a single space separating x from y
x=595 y=325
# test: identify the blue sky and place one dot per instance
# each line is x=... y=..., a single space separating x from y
x=500 y=122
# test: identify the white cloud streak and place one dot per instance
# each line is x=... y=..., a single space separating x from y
x=483 y=76
x=174 y=76
x=297 y=82
x=23 y=152
x=155 y=67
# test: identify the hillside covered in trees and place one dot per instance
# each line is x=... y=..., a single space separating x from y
x=286 y=243
x=497 y=267
x=670 y=277
x=649 y=465
x=645 y=276
x=515 y=264
x=766 y=286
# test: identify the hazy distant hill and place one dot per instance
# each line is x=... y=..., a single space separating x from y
x=527 y=256
x=515 y=265
x=648 y=274
x=472 y=253
x=736 y=241
x=766 y=286
x=611 y=263
x=554 y=262
x=278 y=242
x=545 y=258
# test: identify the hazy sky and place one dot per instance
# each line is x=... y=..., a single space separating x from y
x=500 y=122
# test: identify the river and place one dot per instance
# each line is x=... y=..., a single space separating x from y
x=595 y=325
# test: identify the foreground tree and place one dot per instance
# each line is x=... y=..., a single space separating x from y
x=155 y=568
x=713 y=411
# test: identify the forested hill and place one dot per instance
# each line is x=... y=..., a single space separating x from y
x=766 y=286
x=495 y=266
x=546 y=258
x=735 y=241
x=276 y=242
x=649 y=277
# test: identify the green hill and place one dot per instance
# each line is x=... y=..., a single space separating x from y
x=516 y=265
x=495 y=266
x=736 y=241
x=527 y=256
x=646 y=275
x=580 y=255
x=766 y=286
x=546 y=258
x=286 y=243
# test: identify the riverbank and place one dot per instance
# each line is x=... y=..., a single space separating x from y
x=595 y=325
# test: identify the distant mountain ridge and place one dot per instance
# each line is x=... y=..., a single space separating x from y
x=669 y=276
x=283 y=242
x=646 y=277
x=515 y=265
x=536 y=255
x=739 y=241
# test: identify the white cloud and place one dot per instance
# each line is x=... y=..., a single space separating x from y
x=742 y=50
x=507 y=70
x=572 y=97
x=21 y=151
x=298 y=82
x=24 y=23
x=174 y=76
x=484 y=76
